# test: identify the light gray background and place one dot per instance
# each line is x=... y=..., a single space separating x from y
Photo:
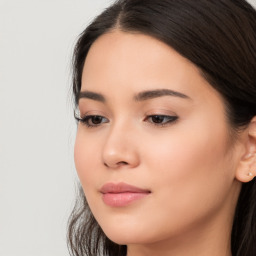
x=37 y=131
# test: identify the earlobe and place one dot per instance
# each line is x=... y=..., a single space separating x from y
x=246 y=170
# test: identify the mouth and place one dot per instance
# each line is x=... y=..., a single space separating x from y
x=121 y=194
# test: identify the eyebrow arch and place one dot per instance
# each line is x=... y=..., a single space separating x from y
x=146 y=95
x=90 y=95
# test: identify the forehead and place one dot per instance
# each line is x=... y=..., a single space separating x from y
x=133 y=62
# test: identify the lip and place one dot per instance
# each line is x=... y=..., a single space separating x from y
x=121 y=194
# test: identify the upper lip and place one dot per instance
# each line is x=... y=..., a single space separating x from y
x=121 y=188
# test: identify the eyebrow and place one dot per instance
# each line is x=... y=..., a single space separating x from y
x=90 y=95
x=145 y=95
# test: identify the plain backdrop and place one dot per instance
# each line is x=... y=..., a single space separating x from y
x=37 y=130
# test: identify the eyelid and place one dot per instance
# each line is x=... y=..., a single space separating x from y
x=160 y=111
x=158 y=118
x=85 y=112
x=167 y=119
x=84 y=116
x=87 y=120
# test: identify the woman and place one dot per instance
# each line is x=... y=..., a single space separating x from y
x=165 y=95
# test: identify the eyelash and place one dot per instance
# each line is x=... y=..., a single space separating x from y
x=87 y=120
x=168 y=120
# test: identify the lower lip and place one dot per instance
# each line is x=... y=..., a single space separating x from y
x=122 y=199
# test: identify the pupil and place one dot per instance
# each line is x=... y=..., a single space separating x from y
x=96 y=120
x=157 y=119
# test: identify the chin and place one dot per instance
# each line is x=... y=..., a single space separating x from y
x=123 y=235
x=125 y=239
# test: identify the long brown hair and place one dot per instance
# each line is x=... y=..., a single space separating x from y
x=217 y=36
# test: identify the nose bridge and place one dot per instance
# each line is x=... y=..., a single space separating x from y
x=120 y=147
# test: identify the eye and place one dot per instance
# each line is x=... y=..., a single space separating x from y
x=161 y=120
x=93 y=120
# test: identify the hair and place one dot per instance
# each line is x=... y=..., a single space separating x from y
x=219 y=37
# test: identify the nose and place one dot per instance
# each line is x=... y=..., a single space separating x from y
x=120 y=149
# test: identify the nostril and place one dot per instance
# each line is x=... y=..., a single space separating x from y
x=122 y=163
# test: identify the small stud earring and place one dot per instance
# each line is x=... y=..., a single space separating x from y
x=250 y=174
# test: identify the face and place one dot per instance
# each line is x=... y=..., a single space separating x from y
x=153 y=148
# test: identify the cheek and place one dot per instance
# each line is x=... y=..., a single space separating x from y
x=86 y=156
x=192 y=169
x=182 y=169
x=190 y=149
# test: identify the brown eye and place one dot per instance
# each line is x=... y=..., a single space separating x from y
x=93 y=120
x=158 y=119
x=161 y=119
x=96 y=119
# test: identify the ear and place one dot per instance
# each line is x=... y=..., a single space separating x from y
x=246 y=169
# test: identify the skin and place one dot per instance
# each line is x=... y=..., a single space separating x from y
x=191 y=165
